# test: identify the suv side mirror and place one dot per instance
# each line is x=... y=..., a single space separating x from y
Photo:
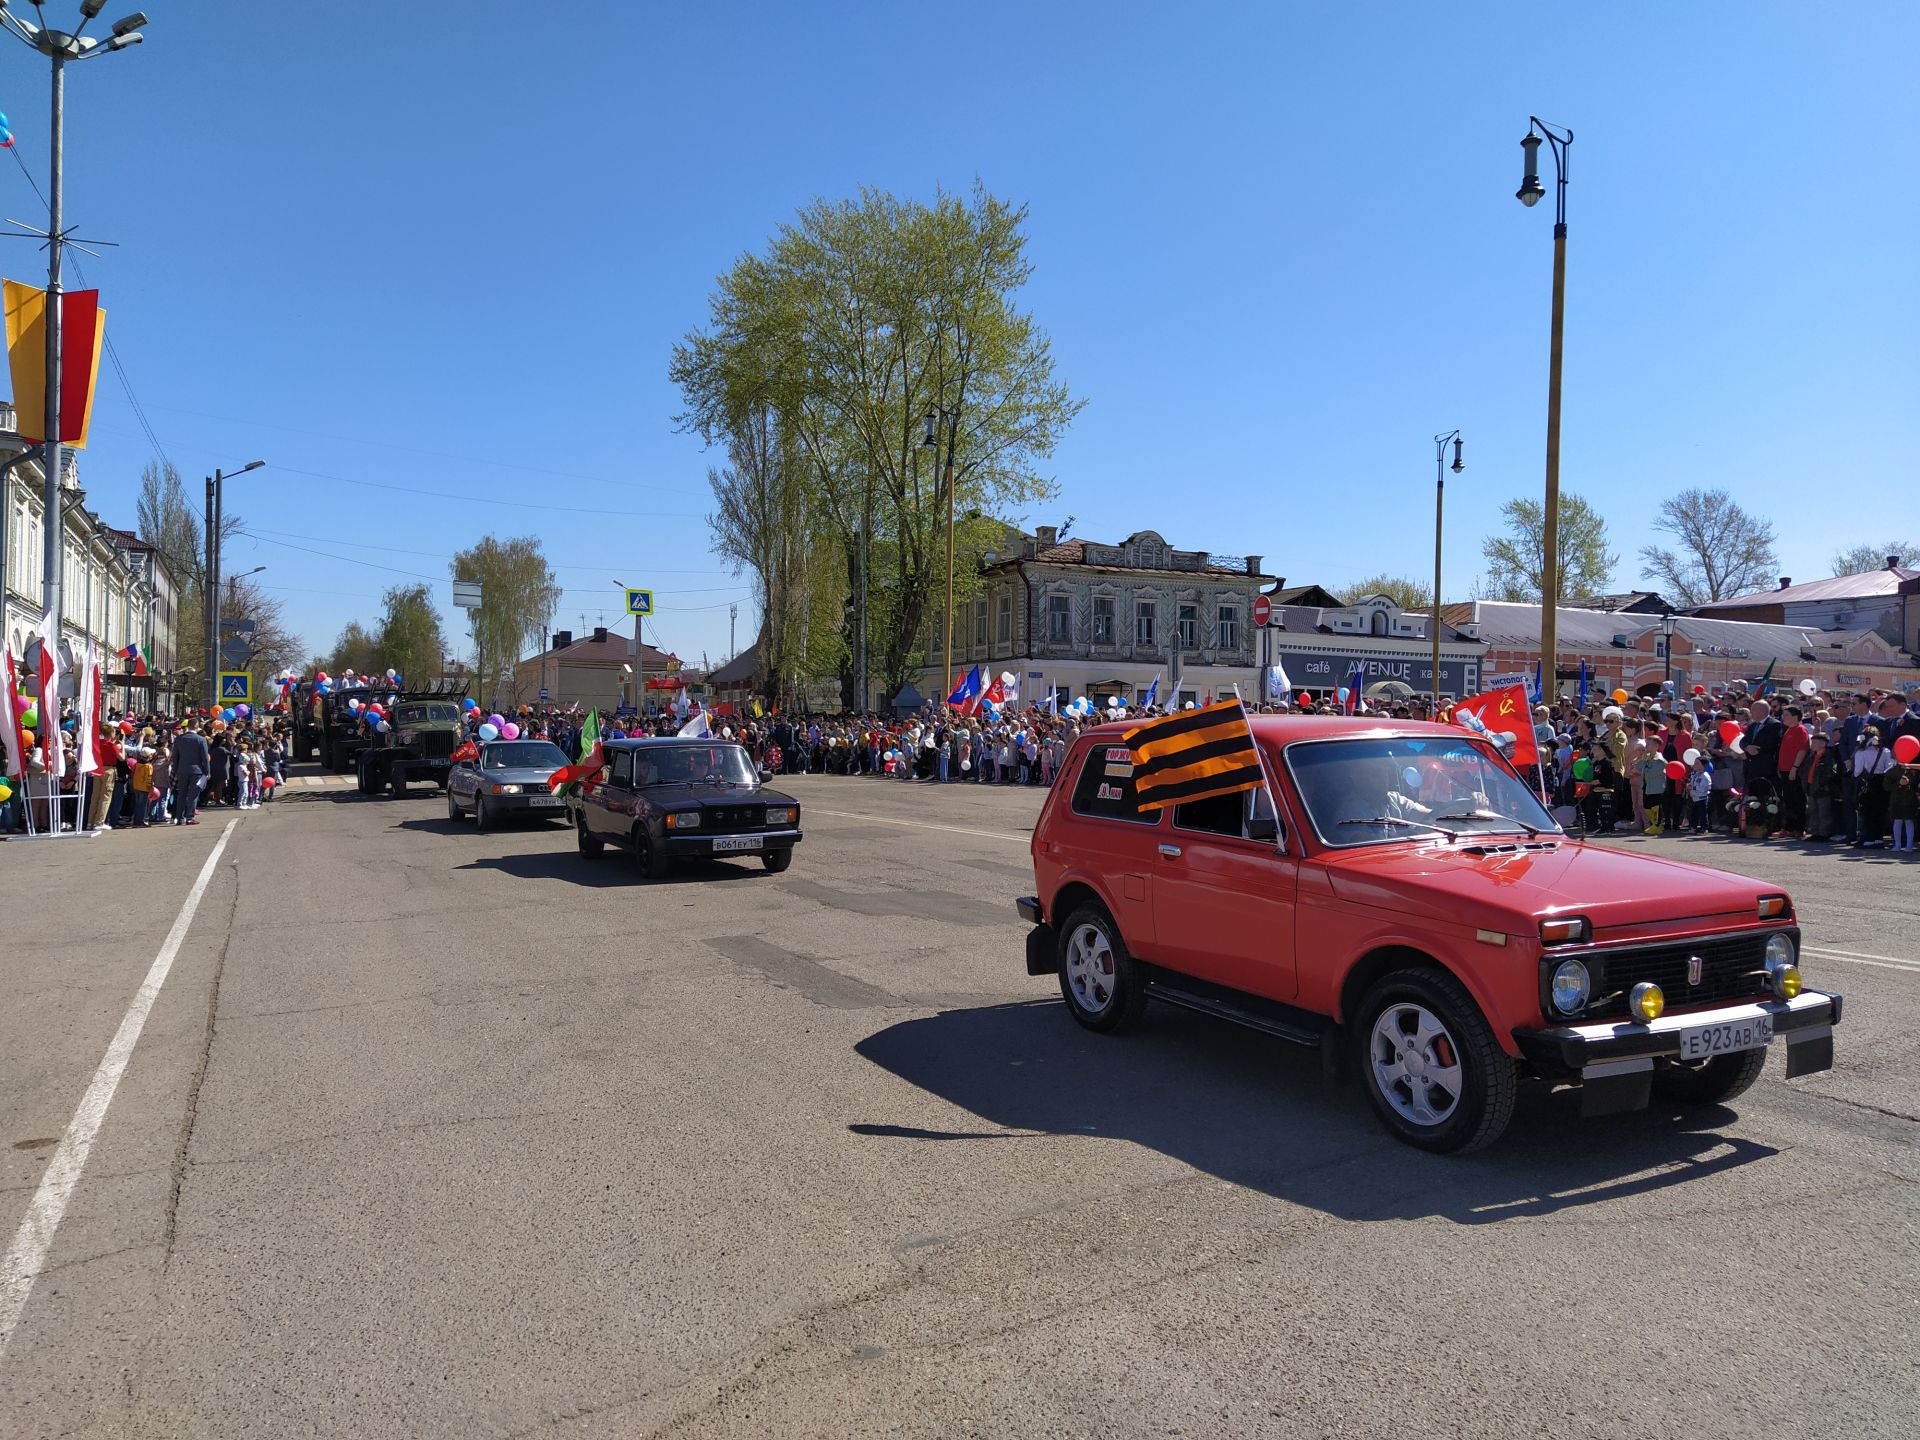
x=1262 y=827
x=766 y=775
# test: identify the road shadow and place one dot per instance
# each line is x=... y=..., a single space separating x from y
x=613 y=869
x=1260 y=1113
x=440 y=825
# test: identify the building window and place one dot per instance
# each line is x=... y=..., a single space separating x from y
x=1189 y=627
x=1060 y=619
x=1229 y=627
x=1379 y=622
x=1143 y=616
x=1103 y=620
x=980 y=623
x=1006 y=620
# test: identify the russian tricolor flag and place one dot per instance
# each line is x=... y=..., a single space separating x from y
x=131 y=654
x=966 y=694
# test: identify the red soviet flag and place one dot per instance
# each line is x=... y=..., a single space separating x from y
x=1502 y=716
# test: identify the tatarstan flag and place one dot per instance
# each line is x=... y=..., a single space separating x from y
x=569 y=779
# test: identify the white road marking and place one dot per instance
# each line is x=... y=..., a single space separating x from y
x=1879 y=962
x=807 y=809
x=28 y=1253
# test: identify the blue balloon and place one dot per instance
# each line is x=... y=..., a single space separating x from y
x=1412 y=777
x=227 y=715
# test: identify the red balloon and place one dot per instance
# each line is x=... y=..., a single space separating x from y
x=1729 y=731
x=1699 y=689
x=1906 y=749
x=1305 y=698
x=1675 y=770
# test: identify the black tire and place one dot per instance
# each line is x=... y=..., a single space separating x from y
x=1470 y=1112
x=1103 y=985
x=777 y=860
x=397 y=783
x=453 y=810
x=480 y=818
x=651 y=862
x=368 y=785
x=1709 y=1082
x=590 y=844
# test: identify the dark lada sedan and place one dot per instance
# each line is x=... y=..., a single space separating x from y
x=681 y=799
x=507 y=781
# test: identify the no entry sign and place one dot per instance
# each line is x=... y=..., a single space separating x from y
x=1262 y=610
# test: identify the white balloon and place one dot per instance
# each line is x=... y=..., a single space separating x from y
x=1690 y=756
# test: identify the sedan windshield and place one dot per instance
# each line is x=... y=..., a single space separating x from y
x=524 y=755
x=1364 y=792
x=692 y=764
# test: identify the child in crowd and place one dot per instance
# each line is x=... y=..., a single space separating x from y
x=1903 y=804
x=1700 y=793
x=1652 y=789
x=141 y=781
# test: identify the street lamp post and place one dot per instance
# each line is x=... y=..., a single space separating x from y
x=1440 y=443
x=60 y=47
x=1559 y=140
x=1667 y=622
x=216 y=508
x=932 y=441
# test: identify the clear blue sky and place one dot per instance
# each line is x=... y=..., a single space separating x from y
x=450 y=247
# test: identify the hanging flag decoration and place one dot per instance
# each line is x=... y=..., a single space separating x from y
x=82 y=329
x=1192 y=754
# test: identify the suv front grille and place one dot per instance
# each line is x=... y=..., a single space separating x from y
x=1732 y=968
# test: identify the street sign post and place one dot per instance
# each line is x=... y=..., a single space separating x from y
x=544 y=695
x=466 y=594
x=236 y=687
x=639 y=602
x=1262 y=610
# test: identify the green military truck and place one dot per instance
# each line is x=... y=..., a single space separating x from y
x=415 y=742
x=328 y=729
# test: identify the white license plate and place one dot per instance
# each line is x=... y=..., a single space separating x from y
x=546 y=800
x=735 y=842
x=1703 y=1042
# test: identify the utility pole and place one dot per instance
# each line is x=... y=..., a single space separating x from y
x=733 y=614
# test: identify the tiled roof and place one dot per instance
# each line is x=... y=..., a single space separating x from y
x=1074 y=552
x=1864 y=586
x=743 y=669
x=1517 y=627
x=610 y=651
x=1311 y=620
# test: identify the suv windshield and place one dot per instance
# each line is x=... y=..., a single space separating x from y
x=692 y=764
x=424 y=714
x=1364 y=792
x=523 y=755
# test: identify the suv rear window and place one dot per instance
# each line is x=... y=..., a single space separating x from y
x=1105 y=786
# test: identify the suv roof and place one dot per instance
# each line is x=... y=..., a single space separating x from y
x=1280 y=729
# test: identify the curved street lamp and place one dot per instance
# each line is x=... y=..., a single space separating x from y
x=1559 y=140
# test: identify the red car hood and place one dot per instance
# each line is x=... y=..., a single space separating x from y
x=1508 y=889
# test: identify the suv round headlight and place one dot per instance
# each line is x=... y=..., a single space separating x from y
x=1779 y=951
x=1572 y=986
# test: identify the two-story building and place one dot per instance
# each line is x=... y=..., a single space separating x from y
x=1324 y=646
x=1886 y=600
x=1078 y=617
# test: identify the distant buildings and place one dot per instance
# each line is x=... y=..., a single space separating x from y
x=600 y=671
x=116 y=589
x=1885 y=600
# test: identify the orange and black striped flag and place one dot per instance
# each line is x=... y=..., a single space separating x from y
x=1192 y=754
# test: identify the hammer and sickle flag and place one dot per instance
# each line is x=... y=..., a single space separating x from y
x=1192 y=754
x=83 y=328
x=1498 y=715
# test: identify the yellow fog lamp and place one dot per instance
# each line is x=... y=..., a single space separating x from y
x=1786 y=981
x=1645 y=1002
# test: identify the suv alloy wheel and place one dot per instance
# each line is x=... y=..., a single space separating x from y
x=1430 y=1063
x=1099 y=980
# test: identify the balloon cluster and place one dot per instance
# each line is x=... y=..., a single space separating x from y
x=6 y=134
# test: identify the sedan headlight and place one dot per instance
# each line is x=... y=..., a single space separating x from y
x=782 y=814
x=683 y=820
x=505 y=790
x=1572 y=986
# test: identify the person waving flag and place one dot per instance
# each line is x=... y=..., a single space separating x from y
x=1153 y=695
x=1502 y=717
x=1192 y=754
x=967 y=692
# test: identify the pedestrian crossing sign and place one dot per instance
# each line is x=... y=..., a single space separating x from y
x=639 y=602
x=236 y=685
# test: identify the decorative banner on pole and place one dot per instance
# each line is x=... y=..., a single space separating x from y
x=83 y=327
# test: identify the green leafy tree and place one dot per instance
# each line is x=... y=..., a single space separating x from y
x=518 y=591
x=1408 y=594
x=861 y=317
x=354 y=650
x=1516 y=559
x=410 y=639
x=1719 y=550
x=1861 y=558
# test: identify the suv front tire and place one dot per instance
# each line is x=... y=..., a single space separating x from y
x=1434 y=1072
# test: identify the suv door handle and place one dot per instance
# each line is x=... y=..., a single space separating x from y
x=1172 y=852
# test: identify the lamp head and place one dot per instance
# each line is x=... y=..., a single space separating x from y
x=127 y=26
x=1458 y=464
x=91 y=8
x=1531 y=189
x=930 y=442
x=251 y=465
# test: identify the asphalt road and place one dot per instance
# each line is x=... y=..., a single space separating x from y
x=431 y=1133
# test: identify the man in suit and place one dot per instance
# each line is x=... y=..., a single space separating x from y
x=191 y=762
